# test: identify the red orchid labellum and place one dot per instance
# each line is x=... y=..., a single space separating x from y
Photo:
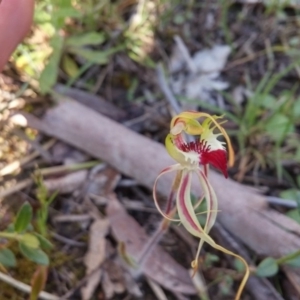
x=193 y=159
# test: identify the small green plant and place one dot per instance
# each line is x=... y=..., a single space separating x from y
x=293 y=194
x=76 y=40
x=226 y=285
x=270 y=266
x=224 y=22
x=45 y=201
x=277 y=7
x=30 y=242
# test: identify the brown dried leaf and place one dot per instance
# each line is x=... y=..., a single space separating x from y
x=95 y=256
x=91 y=285
x=159 y=266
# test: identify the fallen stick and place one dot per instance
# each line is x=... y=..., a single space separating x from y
x=97 y=103
x=243 y=212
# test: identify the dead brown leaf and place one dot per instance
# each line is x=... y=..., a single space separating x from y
x=95 y=256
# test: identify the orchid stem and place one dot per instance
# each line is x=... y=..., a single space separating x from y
x=153 y=241
x=155 y=238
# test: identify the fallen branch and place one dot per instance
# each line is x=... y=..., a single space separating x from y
x=244 y=212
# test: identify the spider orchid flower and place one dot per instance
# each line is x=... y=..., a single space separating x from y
x=193 y=159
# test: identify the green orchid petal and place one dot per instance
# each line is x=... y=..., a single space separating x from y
x=166 y=215
x=199 y=202
x=210 y=137
x=184 y=158
x=224 y=250
x=186 y=211
x=173 y=151
x=211 y=200
x=212 y=211
x=186 y=118
x=190 y=126
x=195 y=262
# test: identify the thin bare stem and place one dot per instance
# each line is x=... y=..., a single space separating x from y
x=24 y=287
x=154 y=239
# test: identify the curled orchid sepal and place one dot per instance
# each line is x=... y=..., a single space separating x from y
x=193 y=160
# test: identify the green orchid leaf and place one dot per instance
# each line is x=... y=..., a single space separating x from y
x=266 y=101
x=267 y=268
x=44 y=243
x=94 y=56
x=294 y=262
x=278 y=126
x=70 y=66
x=294 y=214
x=296 y=109
x=34 y=254
x=89 y=38
x=291 y=194
x=23 y=218
x=50 y=72
x=238 y=265
x=29 y=240
x=7 y=258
